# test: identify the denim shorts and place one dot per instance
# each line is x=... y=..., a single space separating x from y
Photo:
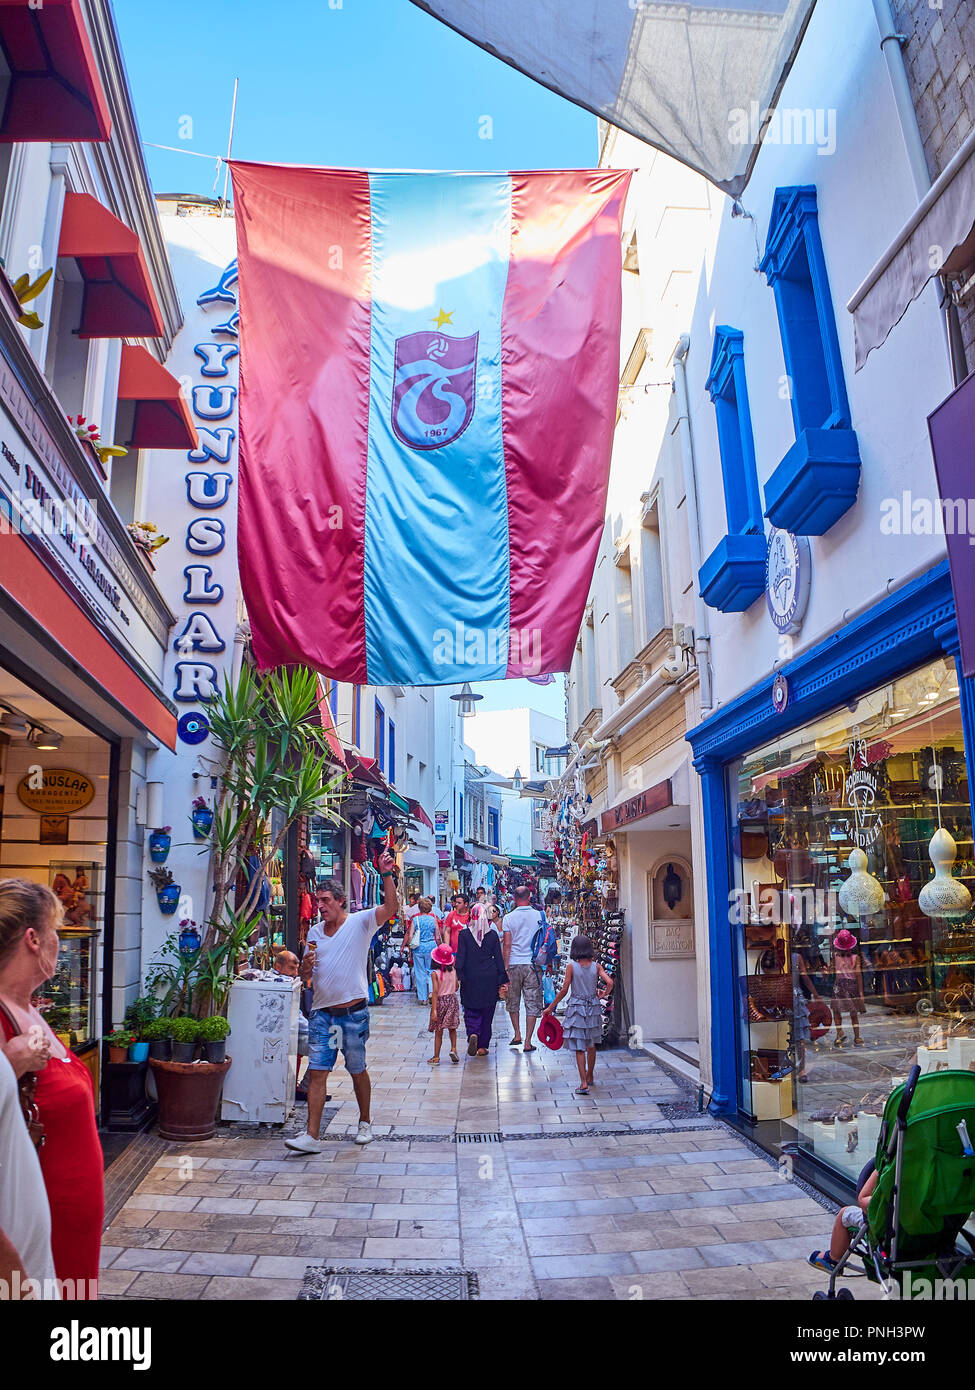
x=327 y=1033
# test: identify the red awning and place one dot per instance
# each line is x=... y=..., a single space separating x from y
x=162 y=418
x=443 y=857
x=365 y=770
x=55 y=92
x=417 y=811
x=119 y=300
x=328 y=727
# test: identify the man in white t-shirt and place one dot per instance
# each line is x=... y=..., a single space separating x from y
x=335 y=963
x=524 y=979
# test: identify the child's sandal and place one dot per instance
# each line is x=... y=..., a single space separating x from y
x=433 y=1061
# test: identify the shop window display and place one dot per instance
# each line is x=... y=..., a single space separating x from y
x=849 y=971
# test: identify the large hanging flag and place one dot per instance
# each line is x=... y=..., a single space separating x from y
x=428 y=386
x=699 y=79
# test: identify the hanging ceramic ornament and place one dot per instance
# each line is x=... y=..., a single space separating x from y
x=861 y=895
x=943 y=896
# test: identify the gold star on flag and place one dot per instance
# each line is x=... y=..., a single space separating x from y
x=443 y=318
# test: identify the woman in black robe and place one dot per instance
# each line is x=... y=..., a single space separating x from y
x=483 y=979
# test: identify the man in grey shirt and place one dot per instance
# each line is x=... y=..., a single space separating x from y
x=524 y=978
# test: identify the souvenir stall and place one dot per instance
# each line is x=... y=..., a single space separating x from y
x=587 y=876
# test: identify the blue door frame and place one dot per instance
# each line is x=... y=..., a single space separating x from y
x=914 y=625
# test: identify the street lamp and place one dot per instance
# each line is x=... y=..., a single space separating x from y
x=465 y=698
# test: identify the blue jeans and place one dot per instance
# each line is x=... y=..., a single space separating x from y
x=421 y=973
x=327 y=1033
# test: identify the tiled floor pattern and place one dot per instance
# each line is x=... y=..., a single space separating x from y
x=676 y=1213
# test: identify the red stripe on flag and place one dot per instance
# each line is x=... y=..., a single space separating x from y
x=560 y=376
x=303 y=244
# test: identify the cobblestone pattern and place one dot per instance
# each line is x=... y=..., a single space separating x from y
x=624 y=1215
x=940 y=53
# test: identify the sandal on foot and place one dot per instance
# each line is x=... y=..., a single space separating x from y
x=454 y=1057
x=515 y=1042
x=433 y=1061
x=482 y=1052
x=472 y=1045
x=822 y=1259
x=529 y=1047
x=581 y=1091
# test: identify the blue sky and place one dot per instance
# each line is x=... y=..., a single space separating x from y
x=374 y=84
x=364 y=83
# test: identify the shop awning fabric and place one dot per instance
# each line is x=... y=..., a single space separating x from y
x=943 y=220
x=119 y=300
x=54 y=91
x=162 y=417
x=328 y=728
x=365 y=770
x=698 y=79
x=417 y=811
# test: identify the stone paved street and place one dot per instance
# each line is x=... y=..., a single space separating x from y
x=685 y=1211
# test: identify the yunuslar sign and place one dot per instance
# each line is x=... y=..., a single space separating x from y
x=56 y=791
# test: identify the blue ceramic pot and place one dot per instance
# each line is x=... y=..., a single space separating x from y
x=202 y=822
x=138 y=1052
x=189 y=941
x=168 y=898
x=159 y=846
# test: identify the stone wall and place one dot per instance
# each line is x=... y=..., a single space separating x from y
x=940 y=53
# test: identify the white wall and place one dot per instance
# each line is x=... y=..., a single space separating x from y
x=865 y=193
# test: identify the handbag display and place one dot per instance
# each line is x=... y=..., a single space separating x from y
x=820 y=1018
x=26 y=1087
x=770 y=991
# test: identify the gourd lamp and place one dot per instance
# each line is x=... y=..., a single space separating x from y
x=943 y=896
x=861 y=895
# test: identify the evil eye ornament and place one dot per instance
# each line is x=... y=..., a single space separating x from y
x=193 y=728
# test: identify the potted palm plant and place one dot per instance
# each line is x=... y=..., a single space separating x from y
x=271 y=759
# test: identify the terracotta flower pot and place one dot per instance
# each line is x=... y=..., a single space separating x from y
x=189 y=1097
x=118 y=1054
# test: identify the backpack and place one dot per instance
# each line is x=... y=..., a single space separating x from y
x=545 y=946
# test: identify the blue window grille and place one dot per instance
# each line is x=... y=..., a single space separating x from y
x=494 y=829
x=392 y=751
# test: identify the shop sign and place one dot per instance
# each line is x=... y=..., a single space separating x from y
x=56 y=791
x=440 y=826
x=787 y=575
x=861 y=792
x=40 y=500
x=644 y=804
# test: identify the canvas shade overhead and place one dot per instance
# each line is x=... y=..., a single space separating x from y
x=162 y=417
x=418 y=812
x=119 y=300
x=328 y=727
x=693 y=78
x=53 y=91
x=938 y=238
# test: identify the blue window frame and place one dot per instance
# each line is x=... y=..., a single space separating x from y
x=795 y=267
x=380 y=737
x=728 y=390
x=356 y=714
x=392 y=751
x=461 y=818
x=819 y=477
x=493 y=828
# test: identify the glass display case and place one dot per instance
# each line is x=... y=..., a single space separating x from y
x=67 y=1001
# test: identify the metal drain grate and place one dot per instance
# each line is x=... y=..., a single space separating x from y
x=486 y=1137
x=325 y=1285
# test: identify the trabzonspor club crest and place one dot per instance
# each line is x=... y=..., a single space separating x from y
x=433 y=388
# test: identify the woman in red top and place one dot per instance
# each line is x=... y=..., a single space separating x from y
x=454 y=923
x=71 y=1155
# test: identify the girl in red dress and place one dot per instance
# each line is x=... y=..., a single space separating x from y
x=71 y=1155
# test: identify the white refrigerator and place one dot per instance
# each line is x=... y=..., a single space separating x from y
x=263 y=1014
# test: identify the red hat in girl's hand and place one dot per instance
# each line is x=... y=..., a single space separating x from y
x=550 y=1032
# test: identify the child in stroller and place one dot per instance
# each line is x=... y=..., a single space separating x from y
x=849 y=1222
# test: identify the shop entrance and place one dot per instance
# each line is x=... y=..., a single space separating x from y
x=57 y=800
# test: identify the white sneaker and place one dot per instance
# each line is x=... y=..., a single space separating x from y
x=364 y=1133
x=304 y=1144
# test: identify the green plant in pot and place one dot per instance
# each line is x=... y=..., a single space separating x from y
x=185 y=1035
x=159 y=1035
x=213 y=1035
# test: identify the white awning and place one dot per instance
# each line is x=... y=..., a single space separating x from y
x=939 y=237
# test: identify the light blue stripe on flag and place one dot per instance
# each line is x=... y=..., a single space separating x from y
x=436 y=524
